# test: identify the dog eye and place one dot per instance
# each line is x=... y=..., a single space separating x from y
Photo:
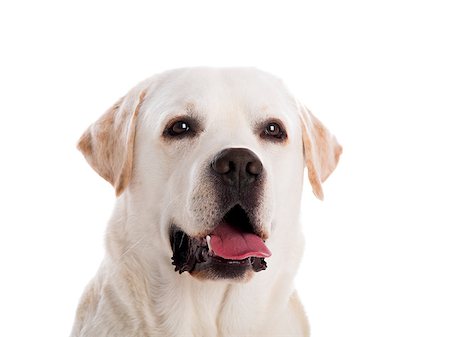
x=182 y=127
x=178 y=128
x=274 y=131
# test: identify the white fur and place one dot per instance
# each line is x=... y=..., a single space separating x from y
x=136 y=291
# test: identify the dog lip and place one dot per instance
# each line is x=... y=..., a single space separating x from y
x=233 y=241
x=192 y=253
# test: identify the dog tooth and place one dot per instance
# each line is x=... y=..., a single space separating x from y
x=208 y=242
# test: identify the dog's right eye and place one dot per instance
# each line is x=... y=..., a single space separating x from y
x=178 y=128
x=182 y=127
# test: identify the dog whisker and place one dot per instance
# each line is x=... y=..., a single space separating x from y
x=129 y=248
x=181 y=241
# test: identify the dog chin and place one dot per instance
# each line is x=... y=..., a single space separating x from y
x=219 y=269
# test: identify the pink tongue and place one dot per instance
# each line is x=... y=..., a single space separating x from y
x=232 y=244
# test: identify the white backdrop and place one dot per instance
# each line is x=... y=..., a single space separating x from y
x=375 y=72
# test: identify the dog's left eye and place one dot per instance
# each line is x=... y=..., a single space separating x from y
x=274 y=131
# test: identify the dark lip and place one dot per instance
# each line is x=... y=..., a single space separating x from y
x=192 y=253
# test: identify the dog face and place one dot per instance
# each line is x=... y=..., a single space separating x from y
x=212 y=160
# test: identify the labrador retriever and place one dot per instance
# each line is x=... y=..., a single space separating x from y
x=205 y=238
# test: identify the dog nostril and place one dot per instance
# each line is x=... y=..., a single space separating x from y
x=222 y=166
x=254 y=167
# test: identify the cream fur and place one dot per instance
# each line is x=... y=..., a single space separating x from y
x=159 y=182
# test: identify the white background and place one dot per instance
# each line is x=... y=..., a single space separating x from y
x=375 y=72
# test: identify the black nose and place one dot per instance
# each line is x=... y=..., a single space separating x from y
x=237 y=167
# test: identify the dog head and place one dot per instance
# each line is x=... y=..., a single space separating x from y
x=211 y=161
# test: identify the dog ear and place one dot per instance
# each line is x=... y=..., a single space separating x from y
x=108 y=143
x=321 y=151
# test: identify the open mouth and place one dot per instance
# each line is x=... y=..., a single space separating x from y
x=231 y=248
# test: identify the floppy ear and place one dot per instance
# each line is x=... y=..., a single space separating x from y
x=321 y=150
x=108 y=143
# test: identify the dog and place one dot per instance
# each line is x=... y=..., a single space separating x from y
x=205 y=237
